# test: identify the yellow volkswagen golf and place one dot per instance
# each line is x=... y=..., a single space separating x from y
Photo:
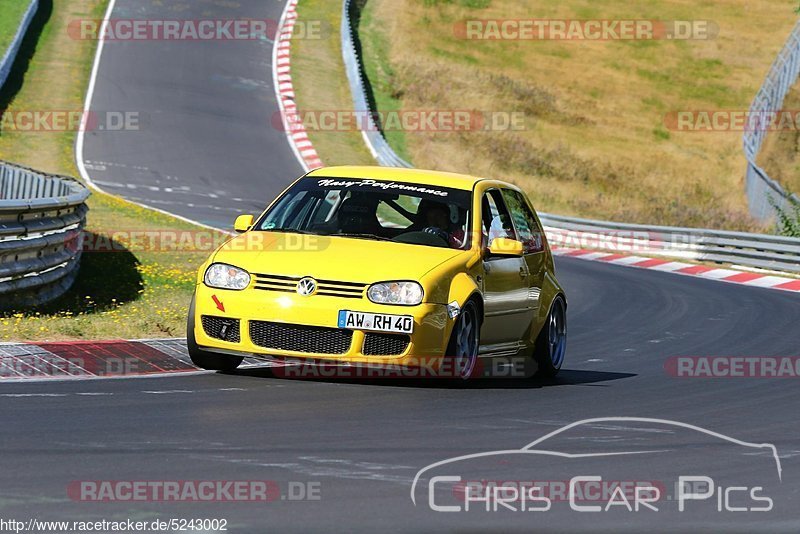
x=369 y=266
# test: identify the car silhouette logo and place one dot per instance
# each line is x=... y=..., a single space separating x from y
x=307 y=287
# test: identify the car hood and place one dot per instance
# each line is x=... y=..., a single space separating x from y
x=331 y=258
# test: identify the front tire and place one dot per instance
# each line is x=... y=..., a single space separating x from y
x=462 y=350
x=551 y=345
x=210 y=361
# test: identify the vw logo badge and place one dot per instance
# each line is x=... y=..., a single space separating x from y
x=307 y=287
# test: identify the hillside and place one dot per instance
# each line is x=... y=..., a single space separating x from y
x=596 y=139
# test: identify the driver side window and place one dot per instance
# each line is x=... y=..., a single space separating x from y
x=496 y=221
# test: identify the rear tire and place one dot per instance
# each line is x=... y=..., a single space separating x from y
x=210 y=361
x=551 y=345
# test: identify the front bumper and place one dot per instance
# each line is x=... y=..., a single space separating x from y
x=284 y=310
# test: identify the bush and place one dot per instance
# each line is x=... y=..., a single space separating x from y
x=788 y=218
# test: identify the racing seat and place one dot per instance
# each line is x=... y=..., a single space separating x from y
x=358 y=216
x=421 y=218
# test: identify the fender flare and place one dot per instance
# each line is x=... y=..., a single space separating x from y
x=550 y=286
x=464 y=288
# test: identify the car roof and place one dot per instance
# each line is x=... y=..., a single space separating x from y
x=412 y=176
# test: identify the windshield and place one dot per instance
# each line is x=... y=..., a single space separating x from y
x=373 y=209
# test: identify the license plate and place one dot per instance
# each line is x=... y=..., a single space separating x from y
x=376 y=322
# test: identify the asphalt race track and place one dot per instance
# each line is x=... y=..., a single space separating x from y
x=204 y=146
x=361 y=444
x=344 y=454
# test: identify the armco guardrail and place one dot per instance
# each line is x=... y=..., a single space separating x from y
x=10 y=54
x=751 y=250
x=41 y=235
x=761 y=251
x=782 y=76
x=373 y=137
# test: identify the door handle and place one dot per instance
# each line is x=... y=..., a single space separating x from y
x=523 y=272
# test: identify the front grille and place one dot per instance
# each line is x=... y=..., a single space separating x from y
x=330 y=288
x=221 y=328
x=299 y=338
x=385 y=344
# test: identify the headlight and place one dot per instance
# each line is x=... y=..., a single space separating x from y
x=401 y=293
x=222 y=276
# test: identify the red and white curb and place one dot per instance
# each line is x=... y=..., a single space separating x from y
x=284 y=90
x=746 y=278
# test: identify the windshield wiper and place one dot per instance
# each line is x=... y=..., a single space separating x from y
x=363 y=236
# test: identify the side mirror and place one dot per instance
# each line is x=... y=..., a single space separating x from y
x=243 y=223
x=502 y=246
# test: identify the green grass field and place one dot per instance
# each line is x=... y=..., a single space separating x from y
x=12 y=11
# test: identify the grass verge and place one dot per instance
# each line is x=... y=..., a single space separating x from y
x=12 y=11
x=320 y=83
x=133 y=292
x=375 y=48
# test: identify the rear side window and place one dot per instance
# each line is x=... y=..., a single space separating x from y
x=527 y=228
